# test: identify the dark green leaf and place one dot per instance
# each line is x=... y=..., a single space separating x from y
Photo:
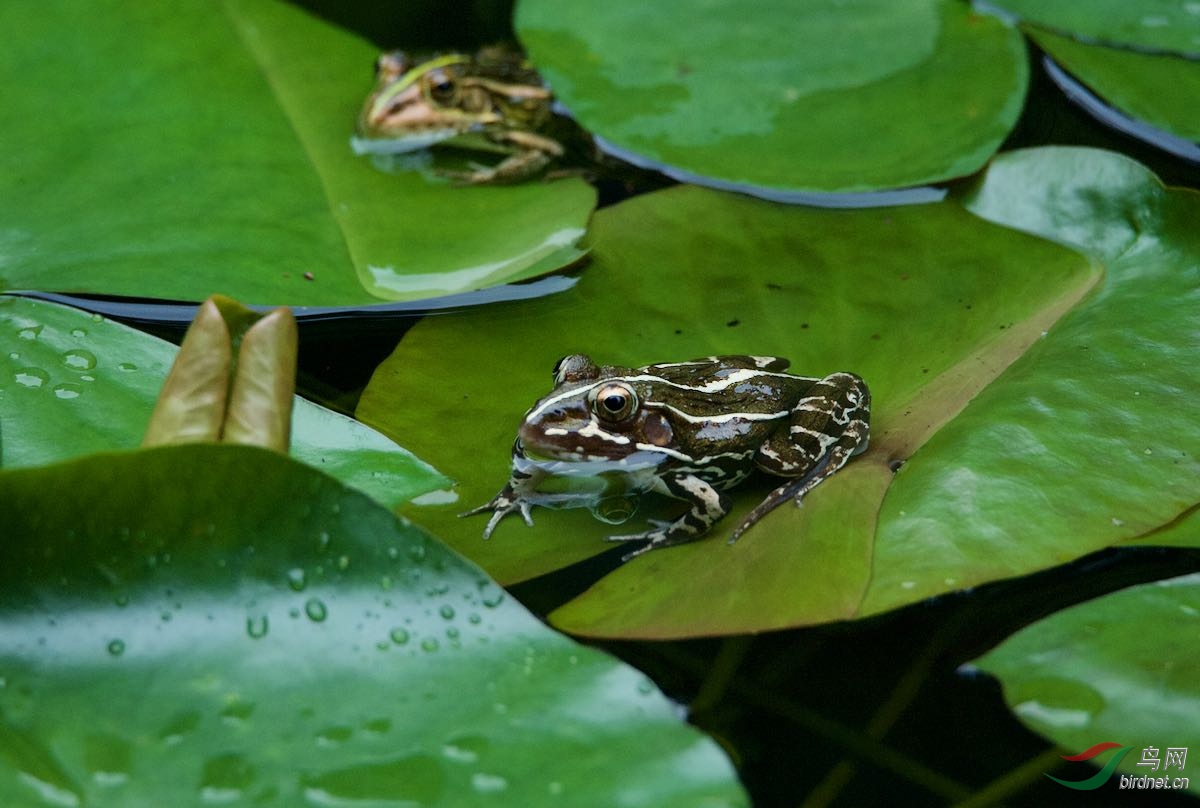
x=809 y=97
x=217 y=624
x=1159 y=89
x=1123 y=668
x=73 y=383
x=830 y=290
x=1148 y=25
x=179 y=151
x=1005 y=470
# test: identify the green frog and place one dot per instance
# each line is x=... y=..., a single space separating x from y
x=689 y=430
x=492 y=102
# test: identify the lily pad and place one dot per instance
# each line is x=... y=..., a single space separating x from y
x=1159 y=89
x=831 y=290
x=818 y=97
x=255 y=632
x=1148 y=25
x=1121 y=669
x=1003 y=469
x=176 y=153
x=73 y=383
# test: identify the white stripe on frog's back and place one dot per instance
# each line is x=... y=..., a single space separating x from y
x=759 y=362
x=720 y=418
x=715 y=386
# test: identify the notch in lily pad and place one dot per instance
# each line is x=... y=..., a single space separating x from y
x=233 y=380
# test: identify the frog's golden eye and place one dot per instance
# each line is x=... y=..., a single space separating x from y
x=615 y=402
x=442 y=87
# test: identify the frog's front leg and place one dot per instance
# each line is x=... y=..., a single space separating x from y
x=827 y=427
x=514 y=496
x=534 y=154
x=707 y=506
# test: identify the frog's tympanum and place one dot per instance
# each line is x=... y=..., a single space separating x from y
x=689 y=430
x=490 y=102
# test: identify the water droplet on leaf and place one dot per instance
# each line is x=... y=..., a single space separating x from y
x=257 y=627
x=315 y=609
x=297 y=579
x=77 y=359
x=32 y=378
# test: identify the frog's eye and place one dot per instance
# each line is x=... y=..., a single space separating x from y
x=441 y=86
x=615 y=402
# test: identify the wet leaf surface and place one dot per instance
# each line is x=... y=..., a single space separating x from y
x=1122 y=668
x=73 y=383
x=255 y=632
x=230 y=123
x=779 y=96
x=1148 y=25
x=1156 y=88
x=1002 y=473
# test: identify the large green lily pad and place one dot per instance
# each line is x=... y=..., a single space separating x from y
x=1159 y=89
x=811 y=97
x=218 y=624
x=1148 y=25
x=177 y=152
x=1123 y=668
x=1005 y=470
x=73 y=383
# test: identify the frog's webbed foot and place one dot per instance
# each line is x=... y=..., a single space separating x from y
x=502 y=505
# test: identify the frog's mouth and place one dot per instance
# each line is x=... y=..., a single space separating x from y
x=576 y=465
x=550 y=442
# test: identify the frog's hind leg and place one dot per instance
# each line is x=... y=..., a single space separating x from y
x=827 y=427
x=707 y=506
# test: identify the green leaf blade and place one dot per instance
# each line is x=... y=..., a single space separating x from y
x=208 y=152
x=1112 y=668
x=782 y=97
x=831 y=290
x=299 y=644
x=73 y=383
x=1024 y=479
